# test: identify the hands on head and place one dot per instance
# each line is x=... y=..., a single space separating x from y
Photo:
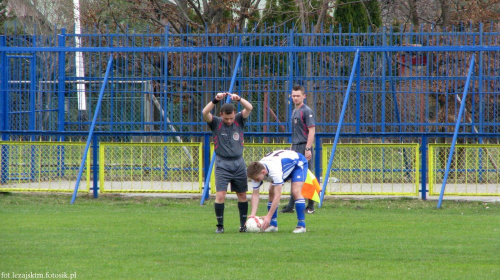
x=222 y=95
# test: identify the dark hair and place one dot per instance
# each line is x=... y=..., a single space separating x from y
x=298 y=87
x=227 y=109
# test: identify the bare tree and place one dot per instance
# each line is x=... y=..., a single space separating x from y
x=306 y=9
x=444 y=13
x=205 y=15
x=41 y=15
x=412 y=7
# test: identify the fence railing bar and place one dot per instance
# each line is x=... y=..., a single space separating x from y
x=455 y=135
x=91 y=130
x=339 y=128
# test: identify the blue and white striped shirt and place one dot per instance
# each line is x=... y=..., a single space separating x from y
x=280 y=165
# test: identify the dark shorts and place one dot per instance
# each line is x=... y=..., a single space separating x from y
x=231 y=171
x=301 y=149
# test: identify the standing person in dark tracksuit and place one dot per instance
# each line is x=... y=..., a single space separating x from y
x=303 y=130
x=230 y=168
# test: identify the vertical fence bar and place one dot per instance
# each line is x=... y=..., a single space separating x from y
x=32 y=93
x=358 y=97
x=339 y=127
x=423 y=173
x=165 y=82
x=4 y=68
x=480 y=84
x=384 y=79
x=4 y=164
x=91 y=131
x=4 y=119
x=290 y=82
x=95 y=164
x=393 y=91
x=206 y=158
x=455 y=134
x=61 y=84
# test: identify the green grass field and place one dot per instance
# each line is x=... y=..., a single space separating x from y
x=117 y=237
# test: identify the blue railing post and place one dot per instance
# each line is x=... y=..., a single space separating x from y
x=4 y=164
x=206 y=159
x=384 y=80
x=165 y=82
x=61 y=85
x=455 y=134
x=393 y=91
x=4 y=117
x=61 y=99
x=91 y=130
x=317 y=158
x=291 y=77
x=481 y=102
x=423 y=171
x=95 y=164
x=339 y=127
x=358 y=97
x=4 y=108
x=32 y=95
x=480 y=85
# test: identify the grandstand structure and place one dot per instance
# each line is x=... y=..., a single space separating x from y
x=400 y=120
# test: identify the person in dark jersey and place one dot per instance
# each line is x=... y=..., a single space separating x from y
x=230 y=168
x=303 y=130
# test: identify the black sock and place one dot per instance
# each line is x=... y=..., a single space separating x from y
x=310 y=204
x=219 y=213
x=291 y=203
x=243 y=207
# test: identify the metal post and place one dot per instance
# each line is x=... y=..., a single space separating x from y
x=339 y=127
x=455 y=134
x=317 y=163
x=384 y=78
x=95 y=163
x=4 y=68
x=393 y=91
x=290 y=83
x=4 y=117
x=358 y=96
x=423 y=172
x=92 y=127
x=61 y=84
x=206 y=159
x=480 y=85
x=32 y=94
x=165 y=83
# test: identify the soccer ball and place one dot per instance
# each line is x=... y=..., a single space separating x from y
x=254 y=224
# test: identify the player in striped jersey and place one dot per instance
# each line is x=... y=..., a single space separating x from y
x=278 y=167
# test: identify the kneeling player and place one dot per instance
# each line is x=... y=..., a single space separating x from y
x=277 y=167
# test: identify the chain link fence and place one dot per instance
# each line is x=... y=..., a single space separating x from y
x=377 y=169
x=151 y=167
x=473 y=170
x=42 y=166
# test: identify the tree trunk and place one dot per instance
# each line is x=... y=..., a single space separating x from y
x=414 y=13
x=445 y=12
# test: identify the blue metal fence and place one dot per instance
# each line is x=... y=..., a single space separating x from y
x=407 y=83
